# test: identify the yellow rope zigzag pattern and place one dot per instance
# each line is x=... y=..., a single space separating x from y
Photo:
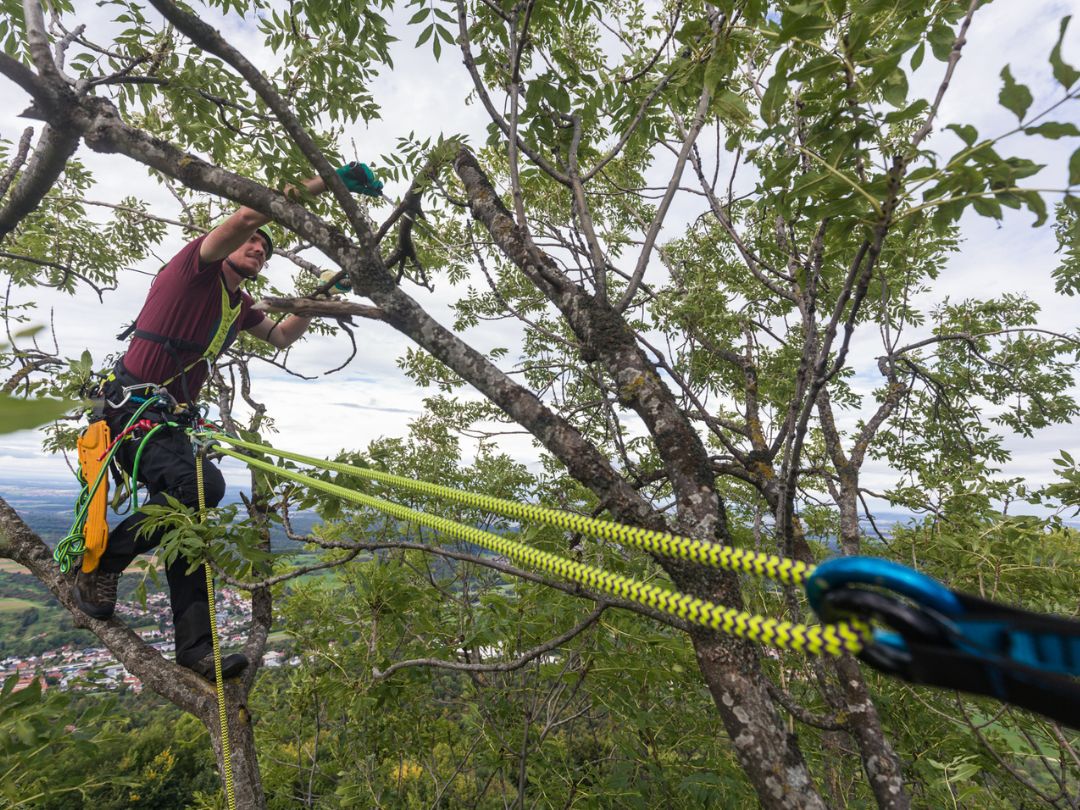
x=717 y=555
x=223 y=717
x=833 y=639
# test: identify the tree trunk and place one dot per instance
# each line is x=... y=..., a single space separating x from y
x=247 y=782
x=730 y=667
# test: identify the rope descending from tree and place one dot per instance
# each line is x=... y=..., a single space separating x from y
x=223 y=716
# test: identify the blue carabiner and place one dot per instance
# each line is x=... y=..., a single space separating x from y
x=842 y=571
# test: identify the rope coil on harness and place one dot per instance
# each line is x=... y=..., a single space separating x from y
x=74 y=543
x=830 y=639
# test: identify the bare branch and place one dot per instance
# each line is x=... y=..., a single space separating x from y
x=503 y=666
x=51 y=155
x=17 y=161
x=481 y=91
x=320 y=308
x=653 y=232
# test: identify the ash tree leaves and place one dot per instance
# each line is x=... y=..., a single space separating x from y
x=437 y=29
x=1014 y=96
x=1065 y=73
x=810 y=70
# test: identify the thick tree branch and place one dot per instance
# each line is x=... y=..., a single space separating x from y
x=320 y=308
x=209 y=40
x=182 y=686
x=51 y=155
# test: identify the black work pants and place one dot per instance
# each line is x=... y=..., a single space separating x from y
x=167 y=467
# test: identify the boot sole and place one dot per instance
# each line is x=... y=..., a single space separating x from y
x=92 y=612
x=231 y=666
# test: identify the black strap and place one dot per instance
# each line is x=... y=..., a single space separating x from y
x=1056 y=696
x=124 y=335
x=175 y=344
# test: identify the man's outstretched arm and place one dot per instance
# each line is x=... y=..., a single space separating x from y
x=283 y=333
x=239 y=227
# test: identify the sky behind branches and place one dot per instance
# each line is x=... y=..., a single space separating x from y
x=373 y=398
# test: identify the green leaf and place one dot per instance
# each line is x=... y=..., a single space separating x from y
x=1074 y=168
x=776 y=92
x=25 y=731
x=715 y=70
x=1014 y=96
x=21 y=414
x=1063 y=71
x=967 y=133
x=731 y=107
x=917 y=56
x=941 y=39
x=895 y=88
x=1053 y=130
x=911 y=111
x=987 y=207
x=1037 y=204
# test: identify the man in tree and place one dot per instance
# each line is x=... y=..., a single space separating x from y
x=192 y=314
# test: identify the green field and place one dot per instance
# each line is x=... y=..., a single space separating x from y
x=9 y=604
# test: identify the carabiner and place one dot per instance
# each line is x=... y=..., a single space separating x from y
x=843 y=571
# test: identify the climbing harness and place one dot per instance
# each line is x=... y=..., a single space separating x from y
x=221 y=337
x=931 y=635
x=90 y=497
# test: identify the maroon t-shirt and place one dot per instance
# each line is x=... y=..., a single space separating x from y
x=184 y=302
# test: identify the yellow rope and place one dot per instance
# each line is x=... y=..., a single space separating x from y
x=717 y=555
x=223 y=717
x=833 y=639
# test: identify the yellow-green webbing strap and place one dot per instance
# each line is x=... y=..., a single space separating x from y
x=831 y=639
x=771 y=566
x=229 y=314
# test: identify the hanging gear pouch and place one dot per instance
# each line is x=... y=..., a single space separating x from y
x=93 y=442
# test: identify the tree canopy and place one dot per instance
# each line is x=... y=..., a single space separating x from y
x=712 y=240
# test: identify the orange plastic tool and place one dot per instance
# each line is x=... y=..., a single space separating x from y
x=93 y=443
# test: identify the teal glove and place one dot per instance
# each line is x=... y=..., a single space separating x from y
x=360 y=179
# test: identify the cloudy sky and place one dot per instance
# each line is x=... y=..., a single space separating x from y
x=372 y=398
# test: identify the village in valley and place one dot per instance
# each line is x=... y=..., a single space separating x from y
x=77 y=667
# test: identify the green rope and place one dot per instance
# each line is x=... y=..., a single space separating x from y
x=74 y=543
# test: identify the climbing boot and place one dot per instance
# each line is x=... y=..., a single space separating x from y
x=95 y=593
x=231 y=666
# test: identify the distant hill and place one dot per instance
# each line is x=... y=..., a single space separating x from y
x=49 y=513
